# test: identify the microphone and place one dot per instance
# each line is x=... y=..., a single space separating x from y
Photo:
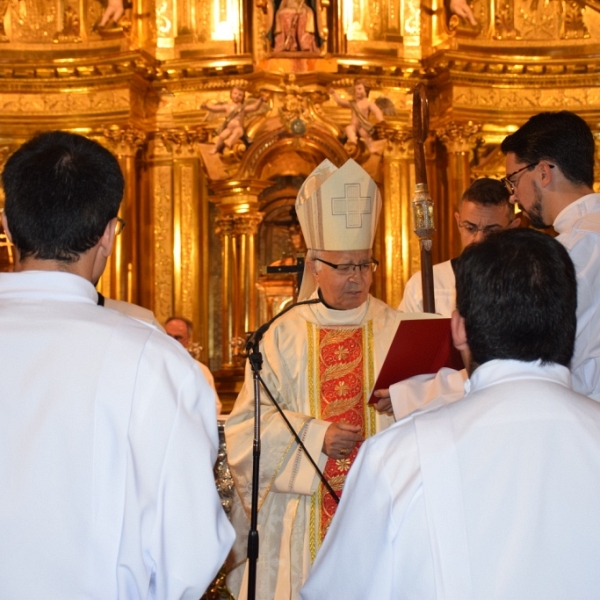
x=256 y=336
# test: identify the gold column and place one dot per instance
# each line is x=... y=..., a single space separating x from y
x=175 y=238
x=123 y=267
x=401 y=244
x=224 y=229
x=237 y=226
x=460 y=139
x=156 y=234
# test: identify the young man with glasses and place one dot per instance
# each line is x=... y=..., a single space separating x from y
x=484 y=208
x=108 y=434
x=319 y=362
x=550 y=166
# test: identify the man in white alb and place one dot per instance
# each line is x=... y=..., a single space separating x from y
x=107 y=427
x=495 y=495
x=483 y=209
x=550 y=175
x=550 y=166
x=320 y=362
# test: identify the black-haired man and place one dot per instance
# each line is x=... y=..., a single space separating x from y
x=98 y=411
x=483 y=209
x=550 y=174
x=493 y=495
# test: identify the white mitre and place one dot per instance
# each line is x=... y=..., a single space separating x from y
x=338 y=209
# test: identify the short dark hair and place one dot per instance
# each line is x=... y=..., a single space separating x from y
x=562 y=138
x=487 y=191
x=517 y=293
x=61 y=191
x=188 y=323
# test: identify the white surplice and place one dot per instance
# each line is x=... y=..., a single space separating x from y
x=578 y=226
x=108 y=438
x=493 y=496
x=444 y=291
x=288 y=481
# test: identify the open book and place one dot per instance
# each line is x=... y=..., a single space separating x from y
x=420 y=346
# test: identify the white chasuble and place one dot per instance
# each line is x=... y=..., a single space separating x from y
x=320 y=365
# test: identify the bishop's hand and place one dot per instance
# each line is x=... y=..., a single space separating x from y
x=340 y=439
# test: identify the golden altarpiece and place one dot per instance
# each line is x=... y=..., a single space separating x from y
x=204 y=218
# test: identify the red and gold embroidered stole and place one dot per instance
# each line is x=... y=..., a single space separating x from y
x=340 y=377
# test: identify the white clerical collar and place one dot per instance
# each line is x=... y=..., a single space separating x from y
x=332 y=316
x=500 y=371
x=50 y=285
x=581 y=207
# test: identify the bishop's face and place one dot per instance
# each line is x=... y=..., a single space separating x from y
x=343 y=290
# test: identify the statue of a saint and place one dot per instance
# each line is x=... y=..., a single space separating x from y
x=295 y=27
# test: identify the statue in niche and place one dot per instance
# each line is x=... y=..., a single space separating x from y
x=3 y=9
x=232 y=129
x=294 y=27
x=462 y=9
x=362 y=110
x=114 y=11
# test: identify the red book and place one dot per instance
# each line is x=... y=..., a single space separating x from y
x=420 y=346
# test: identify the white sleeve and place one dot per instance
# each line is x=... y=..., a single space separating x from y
x=172 y=494
x=447 y=385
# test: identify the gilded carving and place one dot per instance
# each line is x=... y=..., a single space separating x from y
x=178 y=140
x=247 y=223
x=460 y=137
x=125 y=140
x=164 y=25
x=399 y=144
x=527 y=98
x=224 y=225
x=163 y=245
x=574 y=26
x=71 y=27
x=63 y=103
x=188 y=240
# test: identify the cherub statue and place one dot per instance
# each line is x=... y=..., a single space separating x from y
x=232 y=129
x=362 y=108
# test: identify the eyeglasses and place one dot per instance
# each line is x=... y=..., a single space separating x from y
x=511 y=185
x=473 y=230
x=348 y=268
x=120 y=226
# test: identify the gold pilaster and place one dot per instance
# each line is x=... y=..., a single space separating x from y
x=459 y=139
x=123 y=270
x=401 y=245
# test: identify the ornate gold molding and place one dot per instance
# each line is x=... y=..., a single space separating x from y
x=460 y=137
x=247 y=223
x=125 y=140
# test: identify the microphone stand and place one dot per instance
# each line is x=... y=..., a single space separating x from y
x=256 y=360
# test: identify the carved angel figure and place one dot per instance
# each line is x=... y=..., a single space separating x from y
x=362 y=109
x=232 y=128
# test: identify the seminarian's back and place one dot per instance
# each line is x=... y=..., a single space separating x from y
x=107 y=427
